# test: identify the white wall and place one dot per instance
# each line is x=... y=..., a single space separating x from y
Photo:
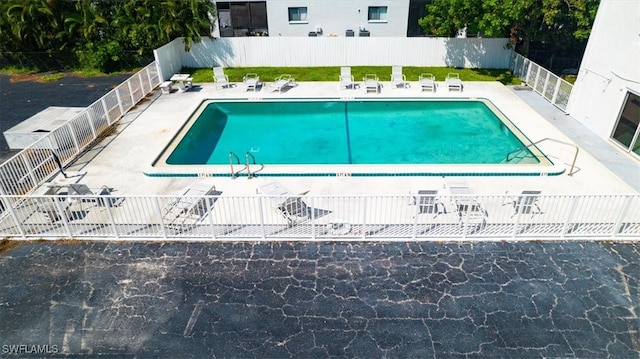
x=348 y=51
x=169 y=58
x=610 y=66
x=336 y=16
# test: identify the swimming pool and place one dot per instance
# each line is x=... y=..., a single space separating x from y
x=353 y=136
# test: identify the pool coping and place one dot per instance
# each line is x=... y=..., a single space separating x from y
x=545 y=168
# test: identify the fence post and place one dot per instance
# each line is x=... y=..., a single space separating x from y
x=133 y=99
x=148 y=81
x=142 y=90
x=119 y=101
x=365 y=205
x=556 y=91
x=516 y=224
x=74 y=138
x=535 y=82
x=30 y=168
x=625 y=207
x=572 y=210
x=8 y=205
x=416 y=201
x=312 y=202
x=91 y=117
x=261 y=210
x=106 y=110
x=210 y=215
x=546 y=83
x=63 y=215
x=159 y=209
x=526 y=77
x=112 y=220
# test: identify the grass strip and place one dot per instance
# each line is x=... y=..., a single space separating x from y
x=331 y=73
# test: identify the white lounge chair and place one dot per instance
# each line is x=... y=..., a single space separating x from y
x=427 y=201
x=346 y=78
x=526 y=203
x=291 y=206
x=471 y=213
x=281 y=82
x=251 y=81
x=398 y=79
x=427 y=82
x=92 y=195
x=371 y=83
x=190 y=207
x=453 y=81
x=219 y=78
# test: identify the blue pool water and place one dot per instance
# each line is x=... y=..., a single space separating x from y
x=349 y=132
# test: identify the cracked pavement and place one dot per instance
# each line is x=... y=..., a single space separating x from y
x=321 y=299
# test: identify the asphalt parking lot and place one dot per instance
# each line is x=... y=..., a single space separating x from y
x=21 y=99
x=320 y=300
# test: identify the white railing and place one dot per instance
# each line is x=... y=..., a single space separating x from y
x=553 y=88
x=36 y=164
x=551 y=217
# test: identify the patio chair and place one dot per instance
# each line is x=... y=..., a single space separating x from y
x=427 y=201
x=526 y=203
x=398 y=79
x=92 y=195
x=346 y=78
x=289 y=205
x=470 y=211
x=251 y=81
x=220 y=79
x=190 y=207
x=371 y=83
x=281 y=82
x=453 y=81
x=55 y=208
x=427 y=82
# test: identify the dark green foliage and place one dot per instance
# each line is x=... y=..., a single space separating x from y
x=560 y=24
x=105 y=35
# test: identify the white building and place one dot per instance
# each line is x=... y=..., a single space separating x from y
x=606 y=95
x=386 y=18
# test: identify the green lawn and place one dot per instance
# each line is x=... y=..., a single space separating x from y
x=235 y=74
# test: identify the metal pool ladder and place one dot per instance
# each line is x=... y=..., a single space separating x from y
x=246 y=162
x=575 y=156
x=231 y=157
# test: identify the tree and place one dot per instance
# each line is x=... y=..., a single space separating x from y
x=107 y=35
x=522 y=21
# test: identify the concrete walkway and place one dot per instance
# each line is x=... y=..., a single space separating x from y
x=619 y=163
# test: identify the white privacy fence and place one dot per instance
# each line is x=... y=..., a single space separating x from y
x=37 y=163
x=323 y=217
x=485 y=53
x=543 y=81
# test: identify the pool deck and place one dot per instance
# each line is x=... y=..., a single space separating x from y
x=121 y=159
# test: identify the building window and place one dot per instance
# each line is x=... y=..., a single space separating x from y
x=377 y=13
x=297 y=14
x=627 y=130
x=242 y=18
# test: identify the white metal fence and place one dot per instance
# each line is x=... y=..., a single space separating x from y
x=543 y=81
x=325 y=217
x=253 y=217
x=36 y=164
